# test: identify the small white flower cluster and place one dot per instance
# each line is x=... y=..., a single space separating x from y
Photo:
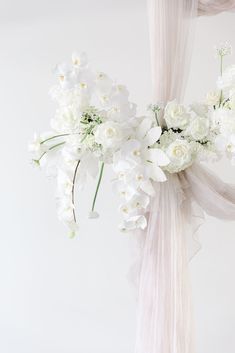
x=95 y=124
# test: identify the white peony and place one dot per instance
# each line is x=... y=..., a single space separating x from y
x=110 y=134
x=180 y=155
x=176 y=116
x=213 y=98
x=199 y=128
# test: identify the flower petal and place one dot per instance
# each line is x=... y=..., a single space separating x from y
x=152 y=136
x=144 y=127
x=157 y=173
x=156 y=155
x=147 y=187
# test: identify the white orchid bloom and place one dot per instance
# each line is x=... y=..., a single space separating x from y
x=152 y=158
x=103 y=84
x=124 y=190
x=132 y=223
x=79 y=60
x=65 y=75
x=137 y=203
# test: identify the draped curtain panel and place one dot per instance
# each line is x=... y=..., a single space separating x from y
x=165 y=320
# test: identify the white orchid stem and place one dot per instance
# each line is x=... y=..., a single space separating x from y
x=98 y=186
x=51 y=148
x=53 y=137
x=73 y=190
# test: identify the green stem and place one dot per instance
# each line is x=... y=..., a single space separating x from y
x=57 y=145
x=51 y=148
x=73 y=189
x=53 y=137
x=98 y=186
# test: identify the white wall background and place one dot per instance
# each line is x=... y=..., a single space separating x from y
x=72 y=296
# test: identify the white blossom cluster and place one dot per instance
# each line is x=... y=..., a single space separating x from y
x=95 y=124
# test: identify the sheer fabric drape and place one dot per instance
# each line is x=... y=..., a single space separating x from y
x=164 y=319
x=212 y=7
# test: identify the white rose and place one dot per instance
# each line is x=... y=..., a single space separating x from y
x=109 y=134
x=213 y=98
x=199 y=128
x=176 y=116
x=180 y=155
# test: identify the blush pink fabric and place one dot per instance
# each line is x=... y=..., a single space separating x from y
x=212 y=7
x=164 y=318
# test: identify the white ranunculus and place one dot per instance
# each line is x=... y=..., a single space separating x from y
x=109 y=134
x=180 y=155
x=176 y=116
x=213 y=98
x=64 y=183
x=103 y=83
x=199 y=128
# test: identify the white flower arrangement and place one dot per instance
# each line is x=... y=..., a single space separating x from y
x=96 y=124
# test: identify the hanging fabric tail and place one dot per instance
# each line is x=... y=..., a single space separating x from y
x=165 y=322
x=164 y=312
x=164 y=316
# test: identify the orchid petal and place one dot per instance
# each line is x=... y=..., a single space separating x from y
x=147 y=187
x=152 y=136
x=157 y=173
x=144 y=127
x=156 y=155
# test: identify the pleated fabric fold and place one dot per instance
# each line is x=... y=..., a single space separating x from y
x=164 y=316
